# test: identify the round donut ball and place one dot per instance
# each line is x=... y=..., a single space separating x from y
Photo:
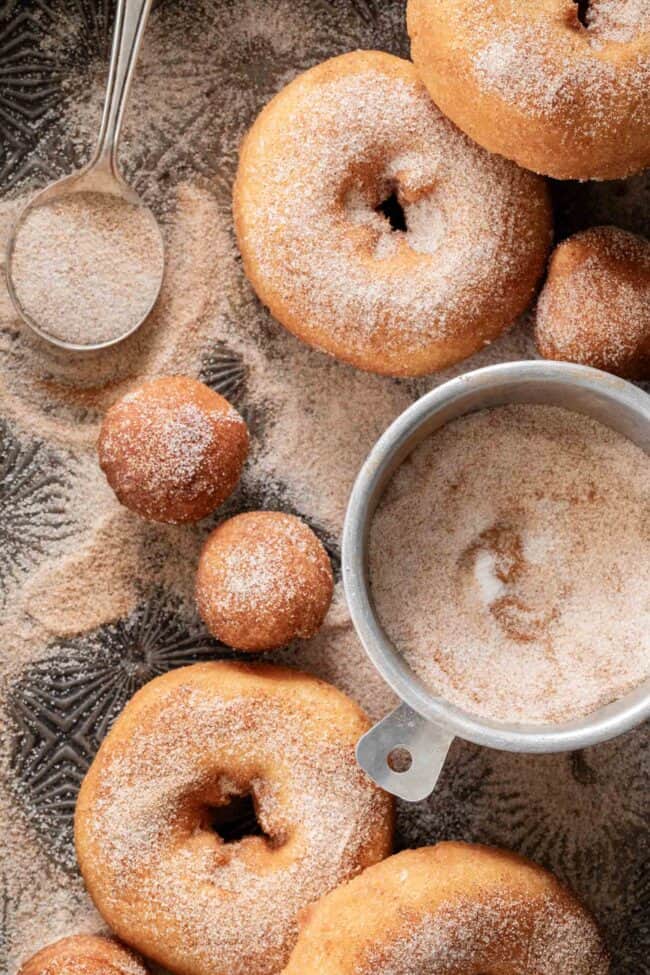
x=377 y=232
x=263 y=580
x=562 y=88
x=84 y=955
x=595 y=306
x=173 y=450
x=454 y=908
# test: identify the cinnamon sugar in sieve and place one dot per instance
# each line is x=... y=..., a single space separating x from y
x=510 y=563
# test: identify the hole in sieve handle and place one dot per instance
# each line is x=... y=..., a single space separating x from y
x=404 y=731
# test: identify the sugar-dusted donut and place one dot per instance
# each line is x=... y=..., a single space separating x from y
x=84 y=954
x=455 y=909
x=263 y=580
x=173 y=449
x=595 y=306
x=334 y=168
x=562 y=88
x=190 y=742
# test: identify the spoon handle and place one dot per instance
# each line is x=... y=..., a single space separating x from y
x=130 y=22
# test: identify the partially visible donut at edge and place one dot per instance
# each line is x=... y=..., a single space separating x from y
x=455 y=908
x=319 y=171
x=561 y=91
x=84 y=954
x=595 y=306
x=173 y=450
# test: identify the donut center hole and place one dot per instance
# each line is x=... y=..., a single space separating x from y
x=393 y=211
x=236 y=820
x=583 y=11
x=399 y=759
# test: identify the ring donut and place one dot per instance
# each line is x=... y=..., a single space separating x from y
x=190 y=742
x=455 y=909
x=376 y=231
x=561 y=90
x=84 y=955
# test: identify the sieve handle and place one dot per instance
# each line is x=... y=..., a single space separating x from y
x=426 y=743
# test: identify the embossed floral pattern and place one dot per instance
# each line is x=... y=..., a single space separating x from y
x=62 y=707
x=34 y=498
x=583 y=815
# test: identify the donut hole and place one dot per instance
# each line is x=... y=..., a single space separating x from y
x=403 y=216
x=582 y=12
x=393 y=211
x=399 y=759
x=238 y=820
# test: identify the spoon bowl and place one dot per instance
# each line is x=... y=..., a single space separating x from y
x=101 y=176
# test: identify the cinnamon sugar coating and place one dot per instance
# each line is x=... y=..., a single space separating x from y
x=457 y=264
x=595 y=306
x=560 y=90
x=453 y=908
x=192 y=741
x=263 y=580
x=173 y=450
x=84 y=955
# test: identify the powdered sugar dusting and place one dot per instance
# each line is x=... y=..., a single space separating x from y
x=505 y=563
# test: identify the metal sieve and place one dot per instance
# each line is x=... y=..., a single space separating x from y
x=425 y=725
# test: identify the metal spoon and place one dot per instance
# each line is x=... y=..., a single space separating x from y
x=101 y=174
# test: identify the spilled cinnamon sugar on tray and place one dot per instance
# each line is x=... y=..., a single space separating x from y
x=205 y=71
x=507 y=563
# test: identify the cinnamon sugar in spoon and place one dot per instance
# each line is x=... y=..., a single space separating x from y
x=85 y=260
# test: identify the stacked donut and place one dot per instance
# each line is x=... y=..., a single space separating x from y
x=311 y=888
x=389 y=214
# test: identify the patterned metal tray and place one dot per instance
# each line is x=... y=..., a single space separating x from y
x=583 y=815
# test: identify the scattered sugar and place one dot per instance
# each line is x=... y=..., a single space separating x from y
x=192 y=100
x=509 y=563
x=87 y=266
